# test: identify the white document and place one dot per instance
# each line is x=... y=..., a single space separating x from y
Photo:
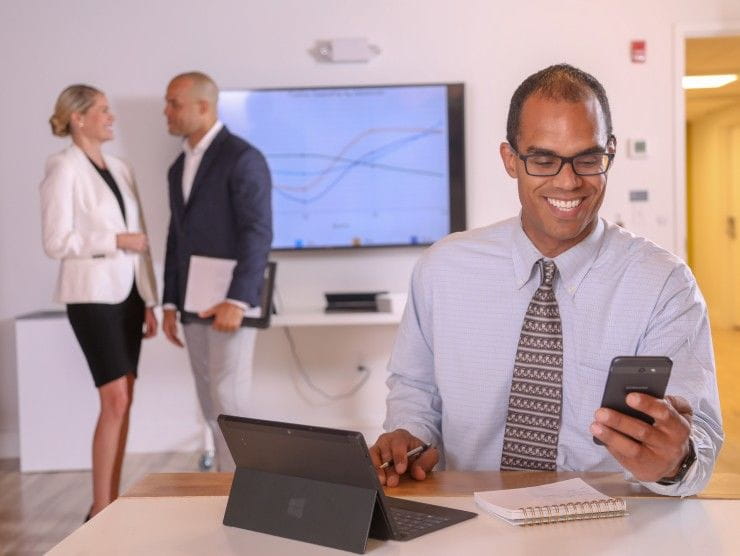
x=209 y=279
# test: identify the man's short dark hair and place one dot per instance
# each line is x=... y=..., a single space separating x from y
x=558 y=82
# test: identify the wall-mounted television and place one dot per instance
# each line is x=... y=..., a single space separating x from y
x=370 y=166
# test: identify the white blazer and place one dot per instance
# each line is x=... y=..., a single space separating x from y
x=81 y=218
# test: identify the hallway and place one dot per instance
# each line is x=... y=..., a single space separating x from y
x=727 y=353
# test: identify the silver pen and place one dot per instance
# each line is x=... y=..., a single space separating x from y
x=413 y=452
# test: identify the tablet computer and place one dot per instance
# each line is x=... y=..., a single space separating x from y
x=297 y=480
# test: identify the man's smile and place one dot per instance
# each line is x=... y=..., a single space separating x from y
x=564 y=205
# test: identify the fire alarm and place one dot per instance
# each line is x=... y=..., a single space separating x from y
x=638 y=52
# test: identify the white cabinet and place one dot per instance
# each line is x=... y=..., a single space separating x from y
x=58 y=403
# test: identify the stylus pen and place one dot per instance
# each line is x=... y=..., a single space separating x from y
x=413 y=452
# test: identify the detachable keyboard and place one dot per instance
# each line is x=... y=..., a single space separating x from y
x=413 y=524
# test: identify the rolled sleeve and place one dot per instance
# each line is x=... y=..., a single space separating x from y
x=680 y=329
x=413 y=401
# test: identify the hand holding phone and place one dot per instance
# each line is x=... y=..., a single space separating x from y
x=641 y=374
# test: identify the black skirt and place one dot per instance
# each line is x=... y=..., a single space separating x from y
x=109 y=335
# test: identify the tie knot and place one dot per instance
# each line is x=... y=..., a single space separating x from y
x=547 y=272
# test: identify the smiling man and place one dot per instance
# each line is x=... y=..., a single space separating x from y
x=503 y=352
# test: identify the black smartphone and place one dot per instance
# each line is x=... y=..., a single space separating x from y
x=637 y=373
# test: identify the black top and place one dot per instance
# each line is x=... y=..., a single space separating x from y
x=106 y=175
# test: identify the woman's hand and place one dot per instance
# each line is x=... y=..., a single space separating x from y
x=150 y=323
x=135 y=242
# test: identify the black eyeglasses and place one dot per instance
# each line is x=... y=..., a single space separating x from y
x=589 y=164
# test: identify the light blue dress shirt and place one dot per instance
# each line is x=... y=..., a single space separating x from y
x=618 y=294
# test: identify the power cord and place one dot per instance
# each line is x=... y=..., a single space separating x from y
x=366 y=372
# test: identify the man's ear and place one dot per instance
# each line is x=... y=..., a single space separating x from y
x=203 y=106
x=611 y=144
x=509 y=158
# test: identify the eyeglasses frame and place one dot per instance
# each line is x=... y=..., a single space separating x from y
x=563 y=161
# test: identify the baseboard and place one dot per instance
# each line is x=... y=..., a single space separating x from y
x=9 y=445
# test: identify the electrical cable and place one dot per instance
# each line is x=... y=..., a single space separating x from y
x=307 y=377
x=310 y=383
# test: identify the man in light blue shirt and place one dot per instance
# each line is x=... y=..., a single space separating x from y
x=617 y=294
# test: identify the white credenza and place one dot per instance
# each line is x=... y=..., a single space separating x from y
x=58 y=403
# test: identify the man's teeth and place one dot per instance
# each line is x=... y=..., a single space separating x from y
x=564 y=205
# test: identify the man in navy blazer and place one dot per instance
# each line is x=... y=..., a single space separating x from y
x=220 y=203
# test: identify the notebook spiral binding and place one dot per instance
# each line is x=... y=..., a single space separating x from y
x=593 y=509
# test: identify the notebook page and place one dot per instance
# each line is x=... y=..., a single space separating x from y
x=507 y=503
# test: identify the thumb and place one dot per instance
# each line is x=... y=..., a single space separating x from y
x=680 y=404
x=428 y=459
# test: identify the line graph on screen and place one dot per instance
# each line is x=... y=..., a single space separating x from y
x=350 y=166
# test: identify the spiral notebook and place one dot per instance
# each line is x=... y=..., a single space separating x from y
x=562 y=501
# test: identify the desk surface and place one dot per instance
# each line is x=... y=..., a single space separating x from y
x=193 y=525
x=182 y=513
x=723 y=486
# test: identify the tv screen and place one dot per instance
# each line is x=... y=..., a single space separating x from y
x=371 y=166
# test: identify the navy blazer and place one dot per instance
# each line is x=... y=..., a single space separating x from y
x=228 y=215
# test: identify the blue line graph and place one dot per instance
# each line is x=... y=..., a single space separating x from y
x=342 y=166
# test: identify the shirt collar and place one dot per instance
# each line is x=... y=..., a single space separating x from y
x=204 y=142
x=573 y=264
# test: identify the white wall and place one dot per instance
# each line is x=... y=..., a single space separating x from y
x=130 y=49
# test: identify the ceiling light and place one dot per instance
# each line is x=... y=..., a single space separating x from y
x=708 y=81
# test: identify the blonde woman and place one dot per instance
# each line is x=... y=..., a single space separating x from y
x=92 y=222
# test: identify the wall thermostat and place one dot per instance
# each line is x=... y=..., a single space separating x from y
x=637 y=148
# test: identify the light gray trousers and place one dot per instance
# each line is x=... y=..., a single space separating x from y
x=222 y=368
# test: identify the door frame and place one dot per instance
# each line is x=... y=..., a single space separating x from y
x=681 y=33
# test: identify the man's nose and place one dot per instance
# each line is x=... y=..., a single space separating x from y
x=567 y=177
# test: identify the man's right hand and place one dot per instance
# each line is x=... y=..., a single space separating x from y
x=169 y=326
x=392 y=447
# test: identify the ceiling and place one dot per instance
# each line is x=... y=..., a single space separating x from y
x=710 y=56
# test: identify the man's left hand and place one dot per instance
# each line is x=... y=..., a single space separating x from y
x=228 y=317
x=649 y=452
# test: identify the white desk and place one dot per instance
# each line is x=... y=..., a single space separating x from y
x=192 y=525
x=182 y=513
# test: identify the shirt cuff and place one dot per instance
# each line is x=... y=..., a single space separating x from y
x=243 y=306
x=676 y=489
x=419 y=431
x=169 y=307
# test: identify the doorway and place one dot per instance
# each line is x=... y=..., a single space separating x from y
x=712 y=130
x=711 y=123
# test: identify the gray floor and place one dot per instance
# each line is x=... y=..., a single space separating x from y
x=37 y=510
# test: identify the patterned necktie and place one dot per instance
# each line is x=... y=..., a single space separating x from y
x=533 y=419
